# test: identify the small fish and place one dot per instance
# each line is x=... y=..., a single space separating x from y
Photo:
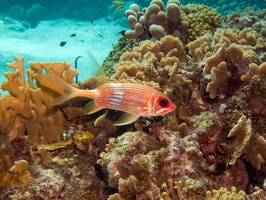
x=122 y=32
x=121 y=4
x=118 y=2
x=63 y=43
x=73 y=35
x=91 y=20
x=133 y=97
x=119 y=7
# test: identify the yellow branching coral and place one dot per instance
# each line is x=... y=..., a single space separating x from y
x=27 y=110
x=219 y=80
x=224 y=194
x=215 y=60
x=150 y=59
x=234 y=148
x=244 y=142
x=256 y=151
x=226 y=48
x=84 y=141
x=17 y=175
x=226 y=45
x=175 y=190
x=256 y=73
x=198 y=48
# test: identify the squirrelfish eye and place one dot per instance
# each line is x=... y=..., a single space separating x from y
x=163 y=102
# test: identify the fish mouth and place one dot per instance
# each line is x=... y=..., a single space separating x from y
x=166 y=110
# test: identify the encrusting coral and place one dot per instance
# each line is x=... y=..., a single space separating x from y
x=186 y=22
x=138 y=164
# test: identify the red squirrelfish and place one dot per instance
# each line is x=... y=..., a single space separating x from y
x=132 y=97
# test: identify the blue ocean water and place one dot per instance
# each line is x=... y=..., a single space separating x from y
x=32 y=11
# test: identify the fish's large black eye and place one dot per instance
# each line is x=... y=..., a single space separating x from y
x=163 y=102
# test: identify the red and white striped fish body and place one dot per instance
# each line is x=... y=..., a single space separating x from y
x=133 y=98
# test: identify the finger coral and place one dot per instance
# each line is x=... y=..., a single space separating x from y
x=224 y=193
x=157 y=20
x=220 y=76
x=229 y=50
x=178 y=190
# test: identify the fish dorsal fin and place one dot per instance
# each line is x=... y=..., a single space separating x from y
x=90 y=108
x=96 y=69
x=126 y=118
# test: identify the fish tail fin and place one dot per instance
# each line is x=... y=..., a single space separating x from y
x=58 y=88
x=63 y=98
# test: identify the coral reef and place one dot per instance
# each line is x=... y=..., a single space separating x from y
x=211 y=147
x=249 y=18
x=28 y=108
x=223 y=193
x=186 y=22
x=241 y=133
x=223 y=54
x=17 y=175
x=157 y=63
x=221 y=67
x=123 y=45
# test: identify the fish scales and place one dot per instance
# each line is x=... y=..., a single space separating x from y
x=128 y=97
x=135 y=99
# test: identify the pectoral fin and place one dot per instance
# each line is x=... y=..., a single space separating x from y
x=126 y=118
x=90 y=108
